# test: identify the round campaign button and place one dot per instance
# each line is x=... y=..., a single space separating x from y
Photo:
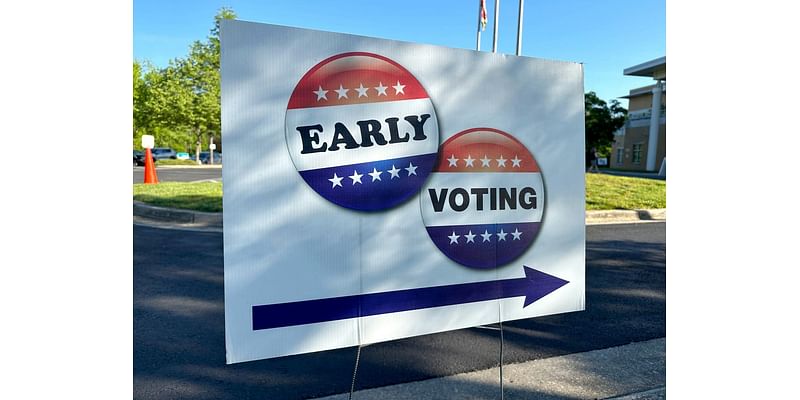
x=483 y=204
x=361 y=131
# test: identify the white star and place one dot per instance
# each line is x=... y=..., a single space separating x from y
x=469 y=160
x=454 y=238
x=486 y=235
x=501 y=162
x=485 y=161
x=336 y=181
x=381 y=89
x=342 y=92
x=362 y=91
x=394 y=172
x=375 y=174
x=398 y=89
x=470 y=237
x=515 y=161
x=412 y=169
x=453 y=161
x=321 y=94
x=356 y=177
x=501 y=235
x=516 y=234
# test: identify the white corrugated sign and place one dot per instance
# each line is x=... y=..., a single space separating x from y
x=376 y=190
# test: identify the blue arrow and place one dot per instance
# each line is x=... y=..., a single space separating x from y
x=533 y=286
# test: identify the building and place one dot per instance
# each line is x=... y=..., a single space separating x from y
x=641 y=144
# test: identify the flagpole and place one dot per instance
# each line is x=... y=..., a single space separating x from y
x=478 y=41
x=519 y=28
x=496 y=17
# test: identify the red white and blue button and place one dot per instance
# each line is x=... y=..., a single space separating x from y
x=362 y=131
x=483 y=204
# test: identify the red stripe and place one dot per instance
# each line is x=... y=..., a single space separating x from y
x=350 y=71
x=491 y=143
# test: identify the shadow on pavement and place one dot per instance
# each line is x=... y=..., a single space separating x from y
x=179 y=339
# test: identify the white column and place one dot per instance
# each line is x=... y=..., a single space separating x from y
x=655 y=117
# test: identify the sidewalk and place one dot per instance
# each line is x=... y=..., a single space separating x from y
x=636 y=371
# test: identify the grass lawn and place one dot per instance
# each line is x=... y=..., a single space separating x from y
x=603 y=192
x=608 y=192
x=198 y=196
x=175 y=162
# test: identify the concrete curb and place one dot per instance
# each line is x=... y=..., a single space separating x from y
x=653 y=394
x=185 y=217
x=189 y=219
x=617 y=216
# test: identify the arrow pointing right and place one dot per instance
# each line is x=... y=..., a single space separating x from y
x=533 y=286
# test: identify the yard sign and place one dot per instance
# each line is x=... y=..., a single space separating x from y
x=377 y=190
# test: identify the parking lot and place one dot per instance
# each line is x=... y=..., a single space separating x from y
x=182 y=174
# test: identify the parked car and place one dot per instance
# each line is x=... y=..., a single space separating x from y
x=182 y=156
x=204 y=157
x=164 y=152
x=138 y=158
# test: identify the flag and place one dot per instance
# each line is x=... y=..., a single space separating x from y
x=483 y=15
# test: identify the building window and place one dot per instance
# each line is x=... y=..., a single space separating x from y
x=620 y=155
x=637 y=153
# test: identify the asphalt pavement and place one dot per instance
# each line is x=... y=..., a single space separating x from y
x=179 y=346
x=181 y=174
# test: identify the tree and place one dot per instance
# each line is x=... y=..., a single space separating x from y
x=153 y=111
x=602 y=120
x=138 y=97
x=181 y=102
x=196 y=96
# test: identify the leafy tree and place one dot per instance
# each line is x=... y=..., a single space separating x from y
x=180 y=104
x=138 y=94
x=153 y=93
x=193 y=88
x=141 y=96
x=602 y=120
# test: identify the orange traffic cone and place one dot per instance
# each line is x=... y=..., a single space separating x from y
x=149 y=168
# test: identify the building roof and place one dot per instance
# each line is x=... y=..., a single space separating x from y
x=642 y=90
x=656 y=69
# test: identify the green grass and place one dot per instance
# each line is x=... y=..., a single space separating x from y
x=603 y=192
x=168 y=161
x=607 y=192
x=198 y=196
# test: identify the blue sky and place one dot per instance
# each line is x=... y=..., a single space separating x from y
x=606 y=35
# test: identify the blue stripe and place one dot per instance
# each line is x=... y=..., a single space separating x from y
x=482 y=254
x=372 y=195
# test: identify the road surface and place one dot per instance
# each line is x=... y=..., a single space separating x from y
x=173 y=174
x=179 y=345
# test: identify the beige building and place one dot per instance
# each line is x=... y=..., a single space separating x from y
x=641 y=144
